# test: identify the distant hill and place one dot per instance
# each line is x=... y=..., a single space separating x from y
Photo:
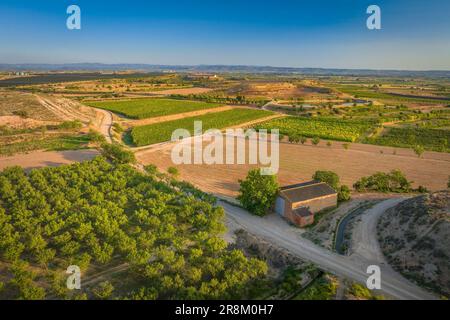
x=220 y=69
x=415 y=238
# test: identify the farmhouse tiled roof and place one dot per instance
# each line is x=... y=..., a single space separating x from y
x=306 y=191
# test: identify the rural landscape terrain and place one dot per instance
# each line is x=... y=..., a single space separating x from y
x=87 y=179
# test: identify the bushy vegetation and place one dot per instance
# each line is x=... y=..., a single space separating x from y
x=64 y=126
x=344 y=193
x=430 y=139
x=117 y=153
x=394 y=181
x=329 y=177
x=160 y=132
x=149 y=108
x=71 y=125
x=223 y=99
x=332 y=179
x=257 y=192
x=364 y=92
x=99 y=214
x=323 y=288
x=117 y=127
x=59 y=143
x=359 y=291
x=325 y=128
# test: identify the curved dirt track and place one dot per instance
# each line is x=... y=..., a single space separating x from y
x=274 y=229
x=105 y=124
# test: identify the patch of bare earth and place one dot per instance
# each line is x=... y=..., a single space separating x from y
x=40 y=159
x=299 y=162
x=14 y=101
x=415 y=239
x=67 y=109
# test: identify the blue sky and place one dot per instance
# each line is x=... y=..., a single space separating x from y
x=415 y=34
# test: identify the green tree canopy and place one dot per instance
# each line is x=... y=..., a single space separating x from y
x=257 y=192
x=329 y=177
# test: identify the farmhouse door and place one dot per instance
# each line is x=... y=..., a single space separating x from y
x=279 y=206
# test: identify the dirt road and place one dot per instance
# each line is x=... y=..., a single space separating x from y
x=365 y=244
x=105 y=124
x=274 y=229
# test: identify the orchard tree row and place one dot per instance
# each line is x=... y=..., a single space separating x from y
x=97 y=214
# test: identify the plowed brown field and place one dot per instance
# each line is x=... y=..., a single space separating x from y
x=299 y=162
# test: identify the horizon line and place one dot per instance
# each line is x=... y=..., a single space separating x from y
x=213 y=65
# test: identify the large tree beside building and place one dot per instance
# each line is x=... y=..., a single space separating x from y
x=329 y=177
x=258 y=192
x=332 y=179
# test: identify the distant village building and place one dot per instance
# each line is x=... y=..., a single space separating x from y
x=299 y=203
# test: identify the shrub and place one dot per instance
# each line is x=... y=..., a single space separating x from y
x=303 y=140
x=96 y=137
x=345 y=146
x=359 y=291
x=116 y=153
x=173 y=171
x=294 y=138
x=344 y=193
x=419 y=150
x=20 y=113
x=422 y=189
x=104 y=290
x=395 y=181
x=70 y=125
x=329 y=177
x=257 y=192
x=117 y=127
x=315 y=141
x=151 y=169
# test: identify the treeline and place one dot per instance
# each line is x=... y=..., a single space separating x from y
x=239 y=100
x=105 y=214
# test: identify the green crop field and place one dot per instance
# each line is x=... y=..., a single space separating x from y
x=430 y=139
x=363 y=92
x=149 y=108
x=325 y=128
x=160 y=132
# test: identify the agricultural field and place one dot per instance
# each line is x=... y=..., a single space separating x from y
x=298 y=162
x=429 y=139
x=155 y=133
x=325 y=128
x=398 y=93
x=384 y=113
x=148 y=108
x=289 y=89
x=110 y=85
